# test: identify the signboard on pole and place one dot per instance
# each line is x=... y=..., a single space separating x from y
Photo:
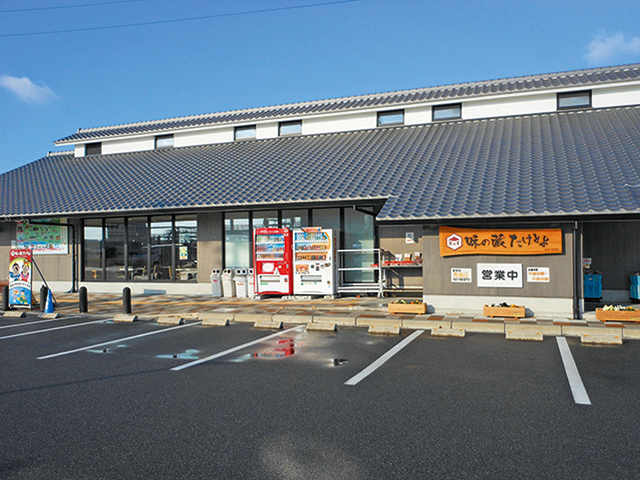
x=20 y=277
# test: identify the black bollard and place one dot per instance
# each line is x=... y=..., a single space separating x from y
x=83 y=302
x=44 y=291
x=126 y=299
x=5 y=298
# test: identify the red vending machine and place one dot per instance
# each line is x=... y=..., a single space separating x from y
x=272 y=261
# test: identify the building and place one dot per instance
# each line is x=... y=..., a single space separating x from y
x=532 y=176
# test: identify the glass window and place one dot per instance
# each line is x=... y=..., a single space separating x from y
x=92 y=255
x=161 y=248
x=245 y=133
x=326 y=218
x=93 y=149
x=359 y=234
x=574 y=99
x=268 y=219
x=391 y=117
x=114 y=241
x=290 y=128
x=447 y=112
x=295 y=218
x=186 y=247
x=237 y=245
x=164 y=141
x=138 y=248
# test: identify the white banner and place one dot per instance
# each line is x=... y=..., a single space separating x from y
x=502 y=275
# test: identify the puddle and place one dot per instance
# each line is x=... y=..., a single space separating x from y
x=187 y=355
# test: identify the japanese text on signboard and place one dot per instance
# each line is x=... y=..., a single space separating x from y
x=507 y=275
x=466 y=241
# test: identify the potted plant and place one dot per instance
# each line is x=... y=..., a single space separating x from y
x=617 y=313
x=503 y=310
x=408 y=306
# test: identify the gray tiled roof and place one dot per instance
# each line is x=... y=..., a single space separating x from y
x=564 y=163
x=573 y=79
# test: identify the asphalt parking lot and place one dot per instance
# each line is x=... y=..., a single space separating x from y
x=83 y=397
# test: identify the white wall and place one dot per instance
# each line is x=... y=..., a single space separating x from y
x=616 y=96
x=339 y=123
x=507 y=106
x=203 y=137
x=110 y=147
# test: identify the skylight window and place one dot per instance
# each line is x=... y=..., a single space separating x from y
x=451 y=111
x=290 y=128
x=93 y=149
x=164 y=141
x=574 y=99
x=245 y=133
x=390 y=117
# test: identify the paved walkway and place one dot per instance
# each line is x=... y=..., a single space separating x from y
x=352 y=311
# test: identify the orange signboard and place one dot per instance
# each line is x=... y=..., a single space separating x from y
x=471 y=241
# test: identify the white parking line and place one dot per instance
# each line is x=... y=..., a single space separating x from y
x=575 y=382
x=383 y=359
x=116 y=341
x=33 y=323
x=50 y=329
x=235 y=349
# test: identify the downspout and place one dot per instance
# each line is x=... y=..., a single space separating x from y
x=577 y=270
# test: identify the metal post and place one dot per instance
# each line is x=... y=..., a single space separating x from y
x=44 y=291
x=5 y=298
x=126 y=299
x=82 y=300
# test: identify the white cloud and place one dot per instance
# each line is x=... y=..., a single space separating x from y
x=26 y=90
x=610 y=48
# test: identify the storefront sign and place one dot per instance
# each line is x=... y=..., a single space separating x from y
x=461 y=275
x=538 y=274
x=504 y=275
x=42 y=239
x=20 y=260
x=469 y=241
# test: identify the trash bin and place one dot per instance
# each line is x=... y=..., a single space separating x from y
x=251 y=283
x=228 y=286
x=216 y=287
x=240 y=278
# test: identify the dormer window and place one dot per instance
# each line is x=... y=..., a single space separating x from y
x=164 y=141
x=290 y=128
x=452 y=111
x=574 y=99
x=93 y=149
x=245 y=133
x=390 y=117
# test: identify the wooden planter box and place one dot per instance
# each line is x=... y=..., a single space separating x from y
x=515 y=312
x=418 y=308
x=621 y=316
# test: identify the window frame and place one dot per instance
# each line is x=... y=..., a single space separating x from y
x=94 y=146
x=448 y=106
x=244 y=128
x=574 y=94
x=380 y=118
x=162 y=141
x=290 y=123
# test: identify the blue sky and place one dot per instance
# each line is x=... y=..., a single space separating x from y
x=254 y=53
